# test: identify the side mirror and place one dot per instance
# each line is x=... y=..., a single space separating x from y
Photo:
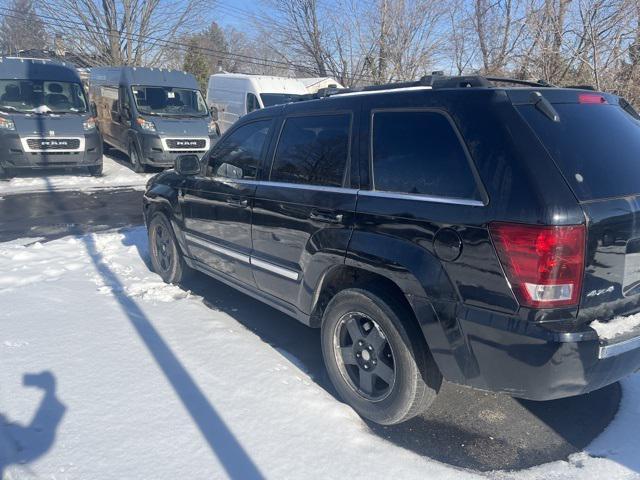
x=94 y=109
x=214 y=113
x=229 y=171
x=188 y=165
x=126 y=113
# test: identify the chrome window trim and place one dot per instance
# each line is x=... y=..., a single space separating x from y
x=165 y=147
x=423 y=198
x=366 y=193
x=217 y=248
x=27 y=149
x=299 y=186
x=607 y=351
x=283 y=272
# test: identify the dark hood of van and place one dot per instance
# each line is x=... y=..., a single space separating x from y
x=50 y=125
x=182 y=126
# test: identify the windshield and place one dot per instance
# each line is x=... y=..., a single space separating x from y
x=270 y=99
x=596 y=147
x=44 y=96
x=169 y=101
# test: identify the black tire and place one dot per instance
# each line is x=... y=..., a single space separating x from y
x=3 y=173
x=375 y=393
x=167 y=261
x=95 y=170
x=136 y=159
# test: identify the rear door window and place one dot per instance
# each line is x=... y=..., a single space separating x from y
x=313 y=150
x=419 y=152
x=596 y=147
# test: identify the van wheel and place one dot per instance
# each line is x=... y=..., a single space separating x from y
x=4 y=173
x=378 y=363
x=136 y=159
x=166 y=257
x=95 y=170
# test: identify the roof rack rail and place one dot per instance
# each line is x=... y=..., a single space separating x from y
x=582 y=87
x=517 y=81
x=435 y=80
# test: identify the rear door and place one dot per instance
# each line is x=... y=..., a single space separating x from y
x=305 y=205
x=217 y=204
x=596 y=146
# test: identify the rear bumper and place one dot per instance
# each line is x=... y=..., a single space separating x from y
x=154 y=151
x=501 y=353
x=13 y=156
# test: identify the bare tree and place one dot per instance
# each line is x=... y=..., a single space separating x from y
x=21 y=28
x=122 y=32
x=499 y=27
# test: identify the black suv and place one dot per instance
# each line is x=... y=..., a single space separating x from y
x=455 y=228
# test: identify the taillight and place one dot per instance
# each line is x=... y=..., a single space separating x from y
x=591 y=98
x=544 y=264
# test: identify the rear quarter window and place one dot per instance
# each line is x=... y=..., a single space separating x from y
x=419 y=152
x=596 y=147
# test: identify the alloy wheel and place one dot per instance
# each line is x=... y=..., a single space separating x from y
x=163 y=247
x=364 y=356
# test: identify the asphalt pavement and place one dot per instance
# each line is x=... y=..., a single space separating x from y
x=464 y=427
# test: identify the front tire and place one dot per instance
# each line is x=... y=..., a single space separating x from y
x=95 y=170
x=166 y=257
x=378 y=362
x=136 y=159
x=4 y=173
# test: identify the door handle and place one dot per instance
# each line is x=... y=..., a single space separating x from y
x=326 y=217
x=238 y=202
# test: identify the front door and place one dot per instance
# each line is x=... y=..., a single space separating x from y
x=303 y=210
x=120 y=120
x=217 y=204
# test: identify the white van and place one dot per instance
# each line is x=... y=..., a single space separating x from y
x=234 y=94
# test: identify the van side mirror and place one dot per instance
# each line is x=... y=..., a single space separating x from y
x=188 y=165
x=93 y=109
x=126 y=112
x=214 y=113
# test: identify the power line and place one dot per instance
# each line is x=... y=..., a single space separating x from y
x=147 y=39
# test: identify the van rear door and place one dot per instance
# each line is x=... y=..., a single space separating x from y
x=596 y=146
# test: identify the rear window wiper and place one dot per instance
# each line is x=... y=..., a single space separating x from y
x=627 y=107
x=544 y=106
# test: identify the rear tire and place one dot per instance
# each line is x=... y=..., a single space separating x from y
x=136 y=159
x=166 y=257
x=378 y=362
x=95 y=170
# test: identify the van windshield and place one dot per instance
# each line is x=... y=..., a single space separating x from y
x=42 y=96
x=270 y=99
x=169 y=101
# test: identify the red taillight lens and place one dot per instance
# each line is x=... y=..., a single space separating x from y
x=544 y=265
x=591 y=98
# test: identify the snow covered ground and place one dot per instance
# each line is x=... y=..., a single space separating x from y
x=114 y=175
x=107 y=373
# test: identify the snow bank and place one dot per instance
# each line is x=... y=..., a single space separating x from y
x=617 y=327
x=135 y=379
x=114 y=175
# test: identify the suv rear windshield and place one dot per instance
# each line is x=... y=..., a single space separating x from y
x=596 y=147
